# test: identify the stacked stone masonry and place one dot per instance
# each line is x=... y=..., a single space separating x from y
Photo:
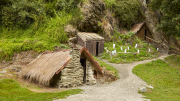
x=72 y=74
x=90 y=71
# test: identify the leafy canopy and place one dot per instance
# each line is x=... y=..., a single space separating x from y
x=170 y=22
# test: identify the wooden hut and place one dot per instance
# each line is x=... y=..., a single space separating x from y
x=66 y=68
x=142 y=31
x=93 y=42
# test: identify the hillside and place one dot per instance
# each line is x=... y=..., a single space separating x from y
x=41 y=25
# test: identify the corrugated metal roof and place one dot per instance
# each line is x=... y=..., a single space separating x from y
x=137 y=27
x=89 y=36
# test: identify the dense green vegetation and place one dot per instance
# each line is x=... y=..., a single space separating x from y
x=126 y=11
x=164 y=76
x=12 y=91
x=34 y=24
x=170 y=21
x=133 y=55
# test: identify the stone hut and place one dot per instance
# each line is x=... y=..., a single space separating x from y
x=66 y=68
x=93 y=42
x=142 y=31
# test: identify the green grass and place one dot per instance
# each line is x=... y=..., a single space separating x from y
x=108 y=67
x=129 y=57
x=174 y=61
x=164 y=78
x=12 y=91
x=37 y=38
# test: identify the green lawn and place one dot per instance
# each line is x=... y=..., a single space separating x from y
x=10 y=90
x=108 y=67
x=129 y=57
x=164 y=78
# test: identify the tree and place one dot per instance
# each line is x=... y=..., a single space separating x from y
x=170 y=22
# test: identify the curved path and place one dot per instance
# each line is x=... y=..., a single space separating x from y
x=123 y=89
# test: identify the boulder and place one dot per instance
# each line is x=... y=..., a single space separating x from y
x=70 y=30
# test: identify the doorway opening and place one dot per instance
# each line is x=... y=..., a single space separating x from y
x=145 y=34
x=83 y=63
x=97 y=48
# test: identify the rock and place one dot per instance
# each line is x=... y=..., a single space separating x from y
x=92 y=12
x=16 y=69
x=73 y=39
x=2 y=72
x=70 y=30
x=143 y=89
x=151 y=87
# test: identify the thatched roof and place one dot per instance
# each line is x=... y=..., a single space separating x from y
x=137 y=27
x=44 y=67
x=89 y=36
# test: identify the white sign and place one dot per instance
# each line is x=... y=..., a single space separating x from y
x=125 y=51
x=113 y=46
x=136 y=45
x=138 y=50
x=121 y=48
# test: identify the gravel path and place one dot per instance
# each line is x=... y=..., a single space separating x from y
x=123 y=89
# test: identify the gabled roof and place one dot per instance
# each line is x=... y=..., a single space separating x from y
x=137 y=27
x=89 y=36
x=44 y=67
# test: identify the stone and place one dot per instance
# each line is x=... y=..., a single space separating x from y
x=2 y=72
x=143 y=89
x=72 y=32
x=16 y=69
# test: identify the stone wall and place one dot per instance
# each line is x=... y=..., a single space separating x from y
x=90 y=80
x=72 y=74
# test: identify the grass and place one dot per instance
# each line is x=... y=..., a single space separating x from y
x=12 y=91
x=163 y=77
x=37 y=38
x=108 y=67
x=129 y=57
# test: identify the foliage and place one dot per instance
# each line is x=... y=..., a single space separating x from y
x=46 y=37
x=132 y=55
x=12 y=91
x=22 y=13
x=34 y=24
x=110 y=3
x=107 y=67
x=126 y=11
x=164 y=78
x=170 y=22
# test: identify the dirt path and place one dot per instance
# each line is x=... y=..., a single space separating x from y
x=123 y=89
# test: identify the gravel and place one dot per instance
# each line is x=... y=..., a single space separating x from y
x=123 y=89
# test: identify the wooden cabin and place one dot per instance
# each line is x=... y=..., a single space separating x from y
x=142 y=31
x=93 y=42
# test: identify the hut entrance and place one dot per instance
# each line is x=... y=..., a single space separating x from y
x=145 y=34
x=97 y=46
x=83 y=63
